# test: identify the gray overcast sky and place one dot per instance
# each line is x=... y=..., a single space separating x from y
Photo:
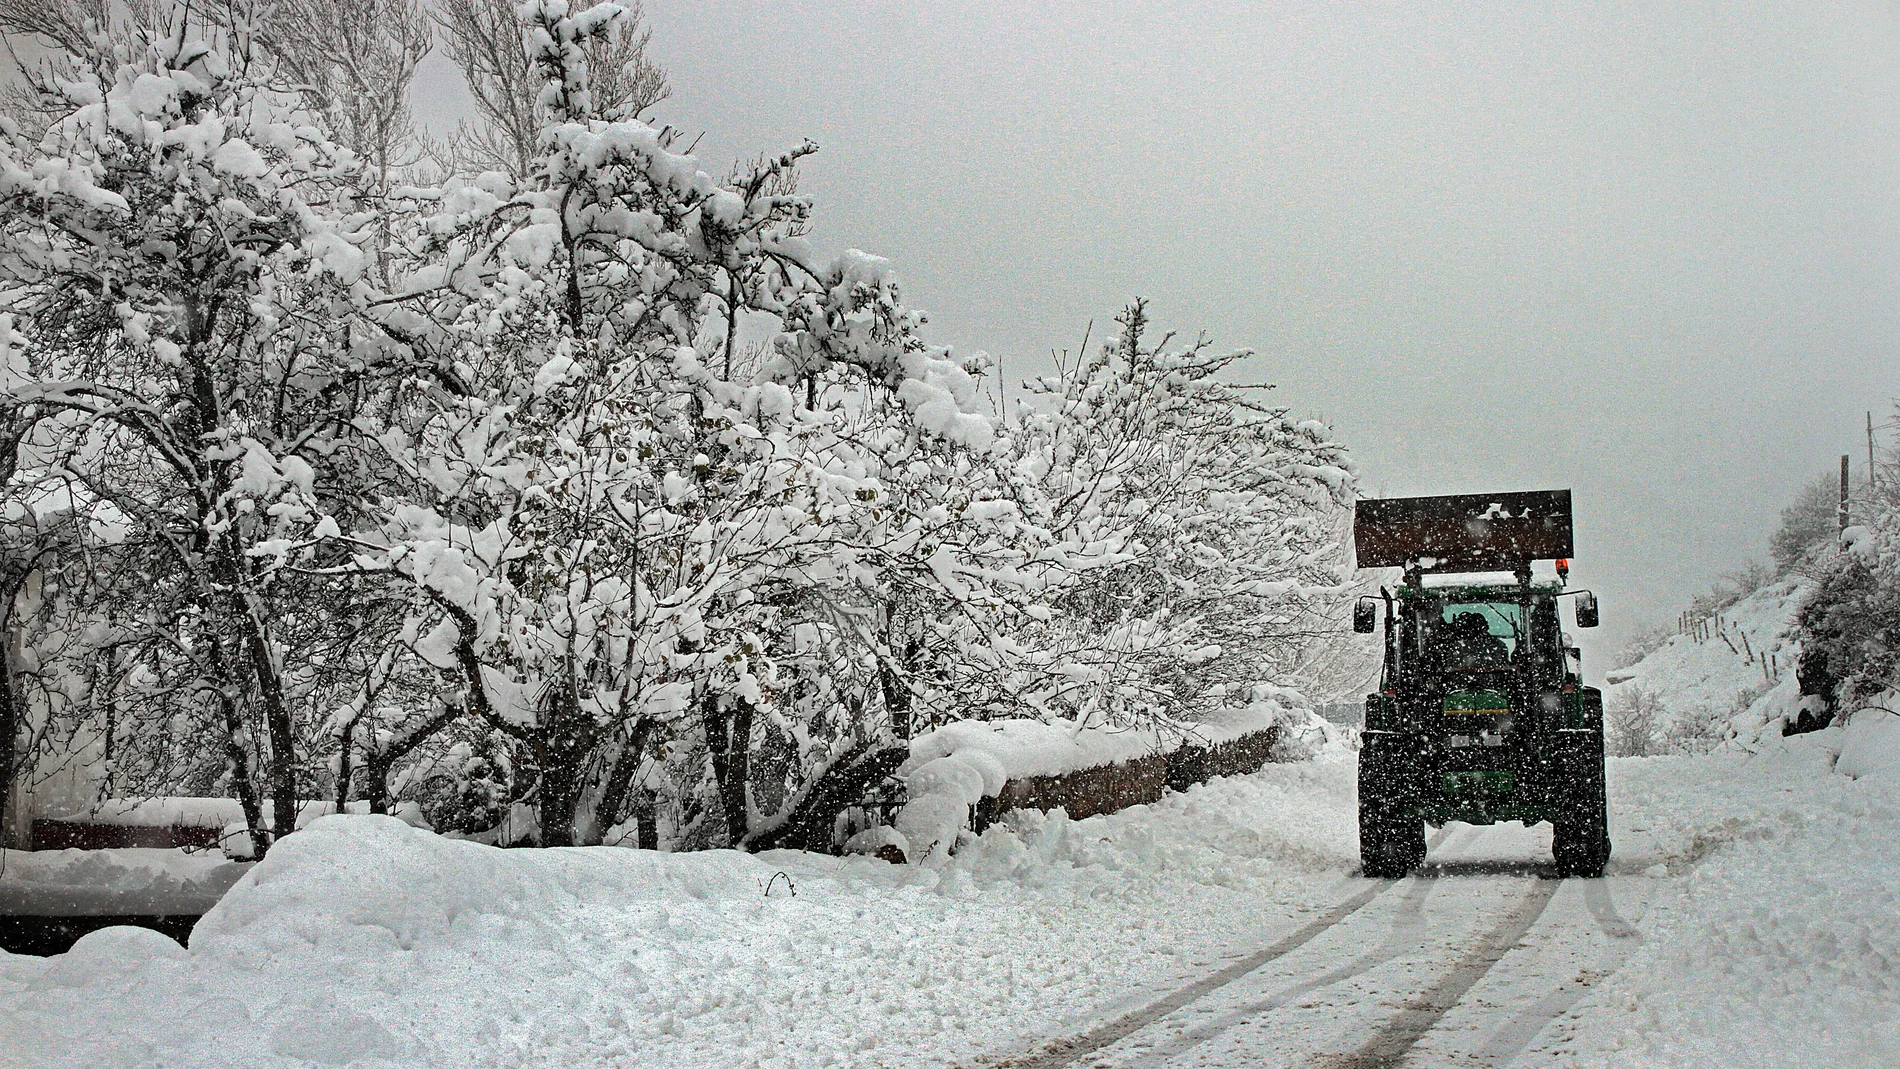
x=1648 y=250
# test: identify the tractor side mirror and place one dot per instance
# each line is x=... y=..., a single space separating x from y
x=1586 y=609
x=1365 y=616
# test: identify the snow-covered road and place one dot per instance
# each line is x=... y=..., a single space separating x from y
x=1466 y=963
x=1750 y=917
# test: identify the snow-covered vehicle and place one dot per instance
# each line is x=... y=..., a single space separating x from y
x=1481 y=715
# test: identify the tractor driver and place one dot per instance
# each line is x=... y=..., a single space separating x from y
x=1472 y=645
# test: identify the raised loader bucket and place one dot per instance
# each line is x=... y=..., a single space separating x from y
x=1463 y=532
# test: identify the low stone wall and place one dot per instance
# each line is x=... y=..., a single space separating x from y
x=81 y=835
x=1109 y=788
x=1091 y=791
x=1198 y=764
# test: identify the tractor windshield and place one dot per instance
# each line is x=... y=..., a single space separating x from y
x=1475 y=635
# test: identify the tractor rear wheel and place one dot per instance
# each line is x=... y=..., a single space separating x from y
x=1391 y=844
x=1580 y=839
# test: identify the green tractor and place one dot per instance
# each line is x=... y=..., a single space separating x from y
x=1481 y=715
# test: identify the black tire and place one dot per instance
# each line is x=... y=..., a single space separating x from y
x=1581 y=848
x=1580 y=840
x=1390 y=844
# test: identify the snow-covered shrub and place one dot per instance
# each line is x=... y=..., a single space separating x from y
x=1645 y=641
x=1850 y=626
x=1633 y=721
x=1850 y=623
x=1808 y=527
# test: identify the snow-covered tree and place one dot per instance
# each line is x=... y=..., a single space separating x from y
x=612 y=529
x=484 y=40
x=1216 y=520
x=579 y=490
x=185 y=255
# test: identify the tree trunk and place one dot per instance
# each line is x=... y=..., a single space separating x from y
x=843 y=785
x=10 y=717
x=241 y=781
x=378 y=762
x=376 y=771
x=613 y=797
x=563 y=753
x=729 y=744
x=646 y=814
x=282 y=774
x=343 y=770
x=897 y=696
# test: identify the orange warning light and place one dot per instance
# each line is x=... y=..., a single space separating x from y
x=1563 y=567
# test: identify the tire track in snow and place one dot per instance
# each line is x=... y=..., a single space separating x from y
x=1065 y=1052
x=1389 y=1045
x=1511 y=1040
x=1399 y=942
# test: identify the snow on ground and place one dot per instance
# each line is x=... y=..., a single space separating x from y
x=75 y=883
x=360 y=938
x=1778 y=944
x=1769 y=882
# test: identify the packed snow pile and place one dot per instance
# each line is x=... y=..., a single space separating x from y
x=112 y=883
x=1736 y=681
x=1870 y=740
x=959 y=764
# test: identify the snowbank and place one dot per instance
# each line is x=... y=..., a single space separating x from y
x=1777 y=946
x=1870 y=741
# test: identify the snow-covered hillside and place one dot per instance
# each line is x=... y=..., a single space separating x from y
x=1729 y=681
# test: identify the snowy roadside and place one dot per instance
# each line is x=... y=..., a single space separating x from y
x=363 y=939
x=1780 y=946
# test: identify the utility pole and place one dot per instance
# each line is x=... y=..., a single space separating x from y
x=1870 y=454
x=1843 y=512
